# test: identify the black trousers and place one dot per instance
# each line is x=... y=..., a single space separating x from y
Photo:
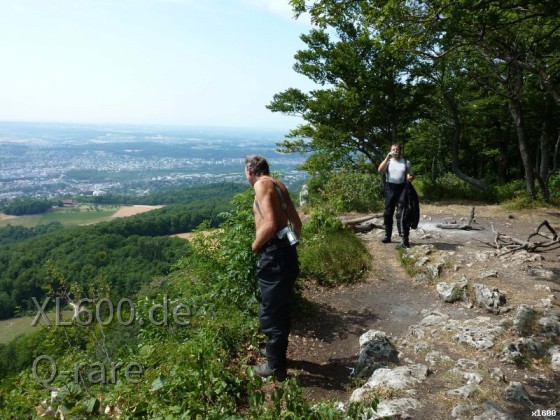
x=393 y=199
x=277 y=271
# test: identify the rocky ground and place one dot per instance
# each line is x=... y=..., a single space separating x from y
x=456 y=329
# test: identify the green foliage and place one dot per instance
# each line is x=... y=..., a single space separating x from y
x=12 y=234
x=196 y=369
x=509 y=191
x=112 y=252
x=330 y=254
x=523 y=200
x=436 y=76
x=223 y=260
x=288 y=401
x=346 y=191
x=20 y=207
x=321 y=221
x=125 y=252
x=554 y=187
x=451 y=187
x=407 y=261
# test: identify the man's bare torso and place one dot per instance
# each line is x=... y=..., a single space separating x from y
x=271 y=197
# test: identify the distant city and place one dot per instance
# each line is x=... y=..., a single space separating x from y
x=47 y=160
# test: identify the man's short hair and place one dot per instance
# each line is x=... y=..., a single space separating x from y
x=257 y=165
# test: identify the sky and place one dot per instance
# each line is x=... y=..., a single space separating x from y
x=165 y=62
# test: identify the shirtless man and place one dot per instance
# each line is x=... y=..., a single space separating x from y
x=278 y=266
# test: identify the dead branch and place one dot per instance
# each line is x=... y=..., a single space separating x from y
x=462 y=226
x=366 y=227
x=359 y=220
x=510 y=244
x=358 y=225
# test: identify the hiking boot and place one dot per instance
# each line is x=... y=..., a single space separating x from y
x=386 y=239
x=264 y=371
x=403 y=244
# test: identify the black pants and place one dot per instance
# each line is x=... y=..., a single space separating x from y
x=393 y=199
x=277 y=271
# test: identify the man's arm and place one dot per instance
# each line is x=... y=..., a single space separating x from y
x=383 y=165
x=410 y=172
x=293 y=215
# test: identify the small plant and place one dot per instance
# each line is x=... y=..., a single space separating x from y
x=408 y=262
x=522 y=200
x=334 y=257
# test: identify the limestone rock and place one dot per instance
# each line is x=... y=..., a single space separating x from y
x=516 y=392
x=555 y=359
x=490 y=299
x=524 y=320
x=376 y=350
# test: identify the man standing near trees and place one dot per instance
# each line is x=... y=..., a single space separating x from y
x=278 y=266
x=397 y=171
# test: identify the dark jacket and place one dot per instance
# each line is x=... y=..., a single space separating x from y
x=410 y=214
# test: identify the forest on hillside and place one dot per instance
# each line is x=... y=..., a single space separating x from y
x=124 y=253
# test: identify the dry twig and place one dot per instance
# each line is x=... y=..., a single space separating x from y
x=463 y=226
x=510 y=244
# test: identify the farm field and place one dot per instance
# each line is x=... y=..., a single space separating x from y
x=73 y=216
x=11 y=328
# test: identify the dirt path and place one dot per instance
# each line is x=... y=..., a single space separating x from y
x=324 y=342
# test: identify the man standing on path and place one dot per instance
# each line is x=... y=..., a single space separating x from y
x=278 y=266
x=397 y=171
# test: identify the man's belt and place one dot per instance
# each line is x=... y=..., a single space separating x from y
x=275 y=244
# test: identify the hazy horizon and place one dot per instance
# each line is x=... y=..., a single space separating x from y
x=156 y=62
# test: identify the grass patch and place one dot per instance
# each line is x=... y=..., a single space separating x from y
x=408 y=262
x=25 y=221
x=74 y=216
x=13 y=327
x=334 y=257
x=523 y=201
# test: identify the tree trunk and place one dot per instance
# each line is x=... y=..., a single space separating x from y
x=544 y=165
x=503 y=147
x=555 y=157
x=457 y=131
x=517 y=115
x=547 y=80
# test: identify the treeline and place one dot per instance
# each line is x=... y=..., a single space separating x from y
x=22 y=207
x=183 y=195
x=124 y=253
x=11 y=234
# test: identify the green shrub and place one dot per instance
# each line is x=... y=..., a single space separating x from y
x=509 y=191
x=523 y=200
x=346 y=191
x=554 y=188
x=450 y=187
x=513 y=194
x=321 y=220
x=334 y=257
